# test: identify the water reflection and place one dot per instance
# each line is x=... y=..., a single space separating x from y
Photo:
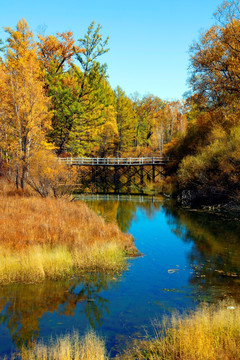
x=122 y=209
x=203 y=251
x=24 y=305
x=215 y=252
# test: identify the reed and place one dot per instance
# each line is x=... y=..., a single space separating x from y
x=73 y=347
x=54 y=238
x=210 y=333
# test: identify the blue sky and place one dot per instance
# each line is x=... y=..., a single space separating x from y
x=149 y=40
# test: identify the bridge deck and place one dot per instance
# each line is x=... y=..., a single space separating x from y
x=140 y=161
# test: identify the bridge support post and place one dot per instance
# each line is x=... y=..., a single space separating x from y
x=129 y=180
x=141 y=177
x=116 y=176
x=93 y=180
x=153 y=173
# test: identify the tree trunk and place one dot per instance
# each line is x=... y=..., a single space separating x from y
x=17 y=177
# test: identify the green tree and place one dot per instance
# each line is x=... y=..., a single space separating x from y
x=75 y=90
x=91 y=77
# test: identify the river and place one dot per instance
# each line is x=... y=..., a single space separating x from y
x=187 y=257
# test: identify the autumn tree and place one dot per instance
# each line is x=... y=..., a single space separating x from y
x=215 y=64
x=5 y=136
x=207 y=156
x=24 y=106
x=1 y=46
x=107 y=139
x=148 y=112
x=170 y=124
x=75 y=90
x=48 y=177
x=57 y=52
x=215 y=169
x=126 y=122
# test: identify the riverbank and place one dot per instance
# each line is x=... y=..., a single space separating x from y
x=215 y=202
x=55 y=238
x=209 y=333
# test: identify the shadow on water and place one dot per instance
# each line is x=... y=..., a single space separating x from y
x=205 y=246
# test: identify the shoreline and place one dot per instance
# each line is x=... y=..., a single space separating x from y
x=189 y=199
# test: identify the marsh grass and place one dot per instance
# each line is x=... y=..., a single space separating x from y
x=37 y=264
x=210 y=333
x=53 y=238
x=73 y=347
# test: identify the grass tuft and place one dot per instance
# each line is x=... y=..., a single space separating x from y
x=37 y=264
x=210 y=333
x=90 y=347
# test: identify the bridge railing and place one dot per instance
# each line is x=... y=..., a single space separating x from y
x=161 y=160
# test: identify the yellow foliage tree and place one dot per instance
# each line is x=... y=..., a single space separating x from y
x=48 y=177
x=108 y=138
x=24 y=105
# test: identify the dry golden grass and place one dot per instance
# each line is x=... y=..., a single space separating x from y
x=39 y=263
x=52 y=238
x=210 y=333
x=25 y=222
x=68 y=347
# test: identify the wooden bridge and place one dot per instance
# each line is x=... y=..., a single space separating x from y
x=117 y=175
x=139 y=161
x=116 y=197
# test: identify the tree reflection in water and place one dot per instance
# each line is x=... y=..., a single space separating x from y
x=215 y=254
x=22 y=306
x=123 y=212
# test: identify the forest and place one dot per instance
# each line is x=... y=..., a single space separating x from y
x=56 y=101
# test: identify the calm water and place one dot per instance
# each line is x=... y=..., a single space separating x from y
x=189 y=257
